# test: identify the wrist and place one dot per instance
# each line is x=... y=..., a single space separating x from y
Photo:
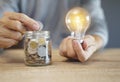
x=98 y=41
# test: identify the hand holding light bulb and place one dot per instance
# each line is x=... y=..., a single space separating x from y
x=77 y=21
x=79 y=46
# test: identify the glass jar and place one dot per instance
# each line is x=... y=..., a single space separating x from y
x=37 y=47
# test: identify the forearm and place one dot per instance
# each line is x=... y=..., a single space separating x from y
x=98 y=26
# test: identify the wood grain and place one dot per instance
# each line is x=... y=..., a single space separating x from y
x=102 y=67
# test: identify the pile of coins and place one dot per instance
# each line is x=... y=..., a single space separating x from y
x=37 y=47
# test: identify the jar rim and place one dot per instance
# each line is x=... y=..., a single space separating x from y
x=38 y=33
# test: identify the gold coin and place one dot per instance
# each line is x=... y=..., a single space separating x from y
x=33 y=44
x=42 y=41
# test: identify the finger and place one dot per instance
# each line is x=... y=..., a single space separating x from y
x=27 y=21
x=7 y=33
x=84 y=45
x=41 y=25
x=6 y=43
x=13 y=25
x=88 y=41
x=70 y=50
x=79 y=51
x=63 y=48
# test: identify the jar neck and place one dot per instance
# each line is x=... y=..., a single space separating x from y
x=45 y=34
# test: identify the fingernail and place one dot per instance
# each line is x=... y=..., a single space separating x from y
x=36 y=27
x=41 y=25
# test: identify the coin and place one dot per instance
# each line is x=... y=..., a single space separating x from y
x=41 y=41
x=33 y=44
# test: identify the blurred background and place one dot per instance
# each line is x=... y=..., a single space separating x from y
x=112 y=13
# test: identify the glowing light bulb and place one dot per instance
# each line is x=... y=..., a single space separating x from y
x=77 y=21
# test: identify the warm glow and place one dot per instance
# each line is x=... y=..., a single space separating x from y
x=77 y=20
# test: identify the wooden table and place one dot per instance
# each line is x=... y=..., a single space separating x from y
x=102 y=67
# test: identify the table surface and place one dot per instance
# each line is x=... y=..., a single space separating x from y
x=101 y=67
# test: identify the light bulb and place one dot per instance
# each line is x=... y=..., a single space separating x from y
x=77 y=21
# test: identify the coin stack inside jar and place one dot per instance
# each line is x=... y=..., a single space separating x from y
x=37 y=47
